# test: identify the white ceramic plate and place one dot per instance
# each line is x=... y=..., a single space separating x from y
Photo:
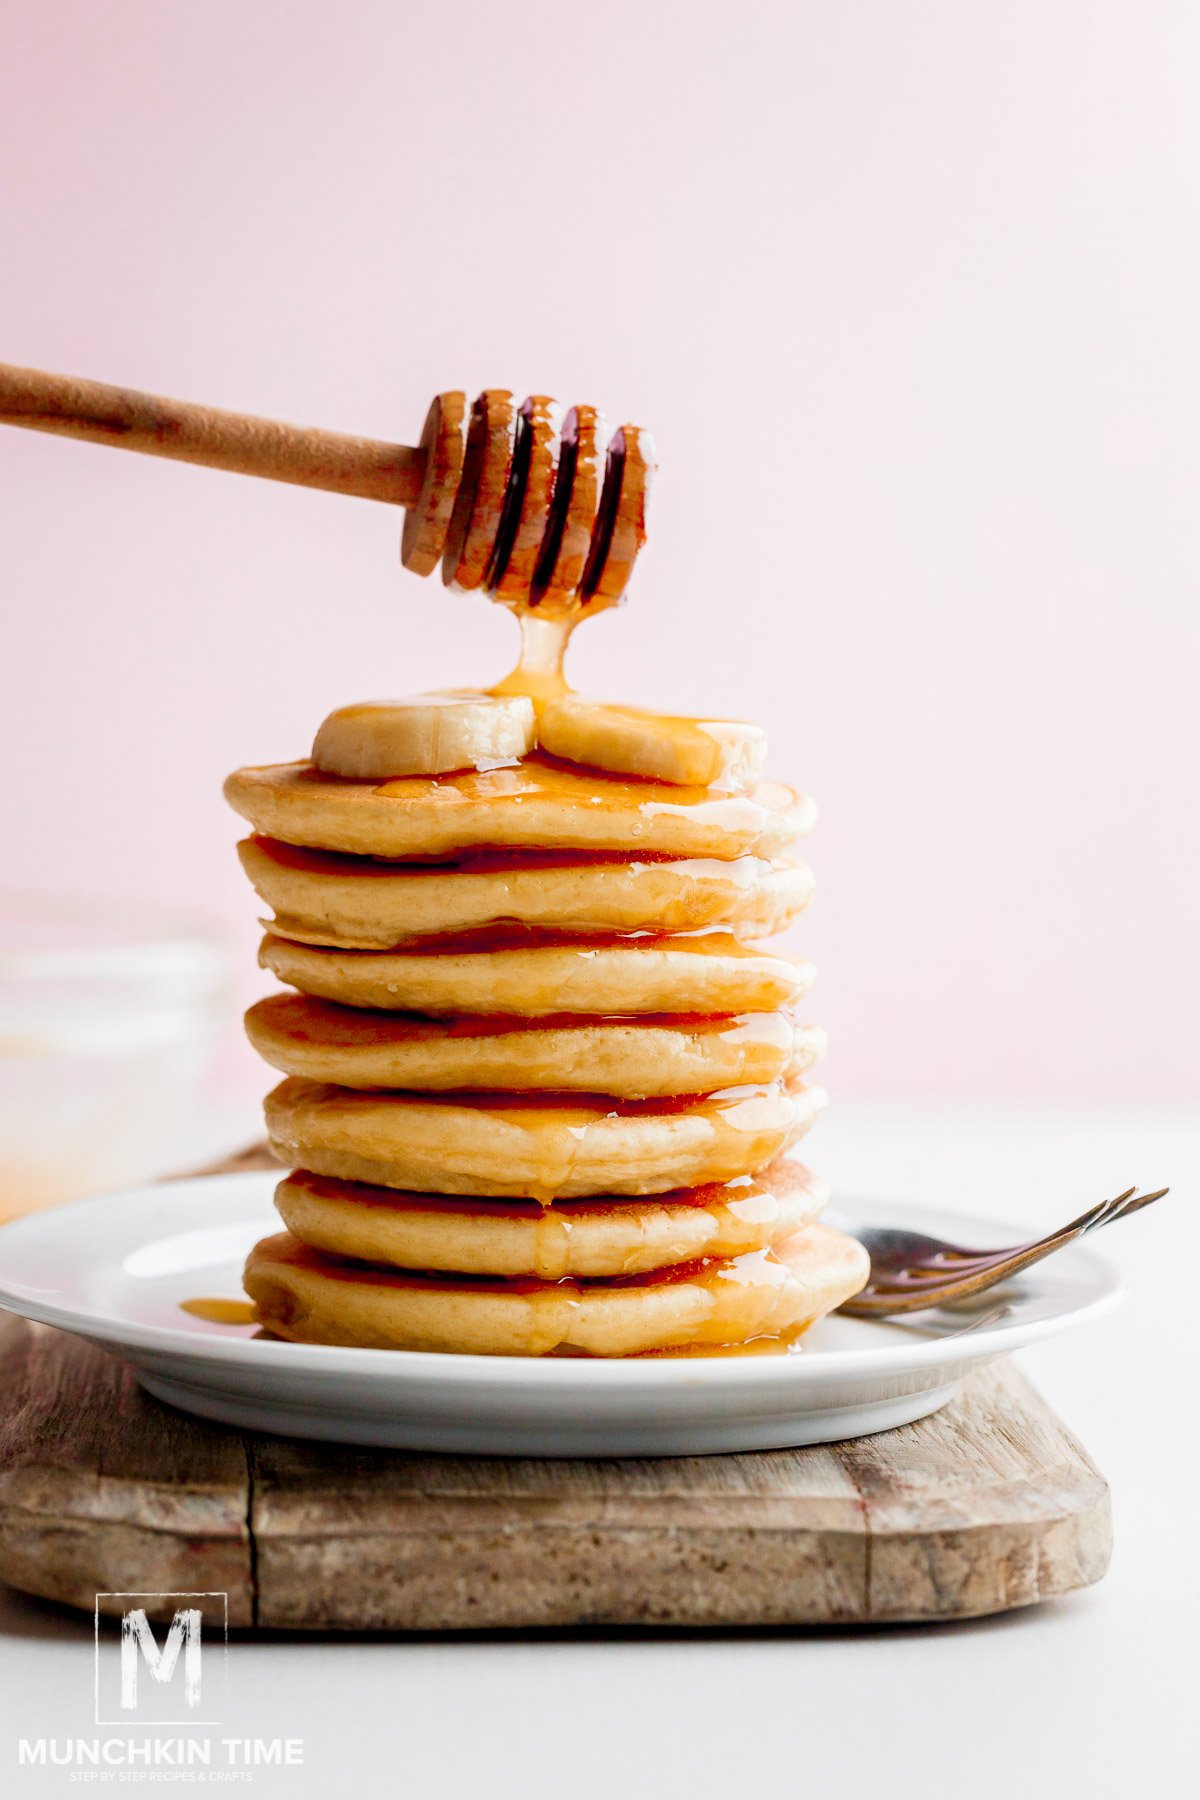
x=115 y=1270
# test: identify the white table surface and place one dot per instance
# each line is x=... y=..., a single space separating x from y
x=1090 y=1695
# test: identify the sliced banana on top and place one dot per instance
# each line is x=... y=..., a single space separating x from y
x=463 y=728
x=429 y=734
x=720 y=753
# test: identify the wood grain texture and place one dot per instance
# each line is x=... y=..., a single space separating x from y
x=988 y=1505
x=124 y=419
x=102 y=1488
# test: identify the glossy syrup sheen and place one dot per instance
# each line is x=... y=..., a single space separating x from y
x=484 y=940
x=774 y=1029
x=541 y=777
x=494 y=861
x=219 y=1312
x=752 y=1198
x=758 y=1266
x=723 y=1107
x=735 y=1107
x=324 y=1021
x=545 y=637
x=786 y=1343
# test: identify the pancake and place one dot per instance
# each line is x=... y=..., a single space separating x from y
x=360 y=903
x=539 y=1146
x=630 y=1057
x=533 y=975
x=534 y=1146
x=538 y=805
x=586 y=1238
x=312 y=1298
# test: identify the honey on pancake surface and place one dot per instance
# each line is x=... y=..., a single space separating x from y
x=512 y=970
x=541 y=804
x=311 y=1297
x=541 y=1146
x=630 y=1057
x=366 y=903
x=538 y=1071
x=595 y=1237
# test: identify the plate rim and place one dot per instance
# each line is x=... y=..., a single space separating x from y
x=454 y=1366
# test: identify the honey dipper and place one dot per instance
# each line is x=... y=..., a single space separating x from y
x=506 y=498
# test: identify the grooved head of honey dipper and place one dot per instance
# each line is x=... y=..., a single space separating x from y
x=542 y=518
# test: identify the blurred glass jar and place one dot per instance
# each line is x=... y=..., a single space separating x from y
x=109 y=1017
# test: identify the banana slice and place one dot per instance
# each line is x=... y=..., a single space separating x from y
x=429 y=734
x=719 y=753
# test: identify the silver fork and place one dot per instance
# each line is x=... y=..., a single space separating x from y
x=910 y=1271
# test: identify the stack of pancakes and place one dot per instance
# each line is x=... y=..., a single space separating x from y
x=541 y=1079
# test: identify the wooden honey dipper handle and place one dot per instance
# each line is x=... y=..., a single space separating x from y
x=69 y=406
x=506 y=498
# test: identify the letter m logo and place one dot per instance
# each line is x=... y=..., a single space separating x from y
x=138 y=1641
x=154 y=1668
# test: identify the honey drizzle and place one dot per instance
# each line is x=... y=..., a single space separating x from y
x=544 y=776
x=539 y=671
x=784 y=1343
x=737 y=1196
x=344 y=1268
x=495 y=861
x=737 y=1107
x=777 y=1029
x=483 y=939
x=774 y=1028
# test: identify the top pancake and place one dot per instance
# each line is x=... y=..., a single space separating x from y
x=538 y=804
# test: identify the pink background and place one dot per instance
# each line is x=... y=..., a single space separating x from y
x=908 y=294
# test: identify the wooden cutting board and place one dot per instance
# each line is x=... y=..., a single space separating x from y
x=990 y=1504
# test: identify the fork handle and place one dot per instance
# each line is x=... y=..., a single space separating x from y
x=69 y=406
